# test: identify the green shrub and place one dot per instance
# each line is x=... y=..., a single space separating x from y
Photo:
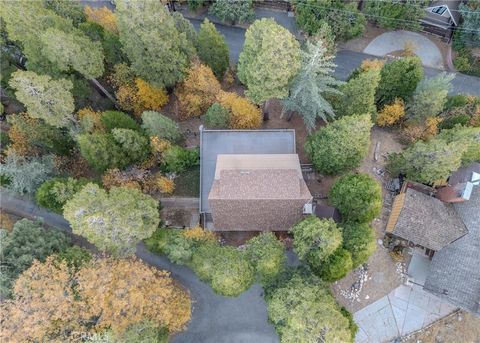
x=358 y=197
x=156 y=124
x=233 y=12
x=396 y=15
x=204 y=261
x=213 y=49
x=267 y=255
x=144 y=332
x=28 y=241
x=359 y=240
x=177 y=159
x=217 y=117
x=451 y=122
x=133 y=144
x=340 y=146
x=172 y=243
x=118 y=120
x=101 y=151
x=54 y=193
x=336 y=266
x=75 y=257
x=458 y=100
x=353 y=326
x=233 y=273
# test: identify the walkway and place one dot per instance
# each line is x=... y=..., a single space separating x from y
x=392 y=41
x=215 y=318
x=402 y=311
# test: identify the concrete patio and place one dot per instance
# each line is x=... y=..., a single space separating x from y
x=404 y=310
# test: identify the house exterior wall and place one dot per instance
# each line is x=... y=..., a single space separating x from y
x=256 y=214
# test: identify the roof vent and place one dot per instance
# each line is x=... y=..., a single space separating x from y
x=244 y=173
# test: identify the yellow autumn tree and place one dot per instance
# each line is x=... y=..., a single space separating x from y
x=243 y=113
x=392 y=113
x=90 y=120
x=372 y=64
x=103 y=17
x=158 y=183
x=19 y=143
x=200 y=235
x=44 y=305
x=122 y=292
x=197 y=92
x=140 y=97
x=159 y=145
x=414 y=131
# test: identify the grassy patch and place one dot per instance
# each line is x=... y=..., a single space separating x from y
x=188 y=183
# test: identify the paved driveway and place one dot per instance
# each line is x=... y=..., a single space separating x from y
x=404 y=310
x=388 y=42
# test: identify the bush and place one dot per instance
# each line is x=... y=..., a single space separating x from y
x=453 y=101
x=267 y=254
x=243 y=113
x=315 y=240
x=346 y=21
x=233 y=12
x=217 y=117
x=54 y=193
x=341 y=145
x=358 y=197
x=359 y=240
x=158 y=125
x=392 y=113
x=75 y=257
x=451 y=122
x=399 y=79
x=134 y=145
x=118 y=120
x=144 y=332
x=28 y=241
x=396 y=15
x=336 y=266
x=172 y=243
x=204 y=261
x=101 y=151
x=177 y=159
x=232 y=272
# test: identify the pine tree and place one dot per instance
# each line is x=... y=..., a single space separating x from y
x=212 y=49
x=312 y=83
x=270 y=59
x=159 y=53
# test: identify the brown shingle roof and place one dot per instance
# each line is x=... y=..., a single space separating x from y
x=427 y=221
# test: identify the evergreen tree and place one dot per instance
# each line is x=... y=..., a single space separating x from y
x=233 y=11
x=212 y=49
x=45 y=98
x=470 y=33
x=312 y=83
x=270 y=59
x=430 y=96
x=159 y=53
x=358 y=94
x=399 y=80
x=185 y=26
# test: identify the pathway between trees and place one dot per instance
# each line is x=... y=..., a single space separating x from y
x=215 y=318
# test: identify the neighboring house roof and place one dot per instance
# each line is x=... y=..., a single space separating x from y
x=218 y=142
x=455 y=269
x=257 y=192
x=425 y=220
x=443 y=19
x=464 y=174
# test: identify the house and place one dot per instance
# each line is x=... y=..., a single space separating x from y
x=258 y=192
x=250 y=180
x=441 y=237
x=441 y=17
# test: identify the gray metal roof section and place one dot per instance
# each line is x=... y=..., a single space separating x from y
x=455 y=269
x=215 y=142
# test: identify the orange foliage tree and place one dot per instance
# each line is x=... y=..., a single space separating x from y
x=122 y=292
x=158 y=183
x=90 y=120
x=243 y=113
x=390 y=114
x=52 y=300
x=197 y=92
x=413 y=130
x=140 y=97
x=103 y=17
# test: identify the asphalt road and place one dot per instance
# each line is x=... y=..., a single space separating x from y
x=346 y=60
x=214 y=319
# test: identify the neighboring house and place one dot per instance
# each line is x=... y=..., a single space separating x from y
x=442 y=237
x=258 y=192
x=251 y=180
x=441 y=17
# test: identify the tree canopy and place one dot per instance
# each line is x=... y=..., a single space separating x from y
x=269 y=60
x=213 y=49
x=341 y=145
x=312 y=84
x=232 y=12
x=113 y=221
x=44 y=97
x=159 y=53
x=358 y=197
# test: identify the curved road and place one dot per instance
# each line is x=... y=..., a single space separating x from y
x=215 y=318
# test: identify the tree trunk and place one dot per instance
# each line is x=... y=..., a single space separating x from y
x=102 y=89
x=266 y=115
